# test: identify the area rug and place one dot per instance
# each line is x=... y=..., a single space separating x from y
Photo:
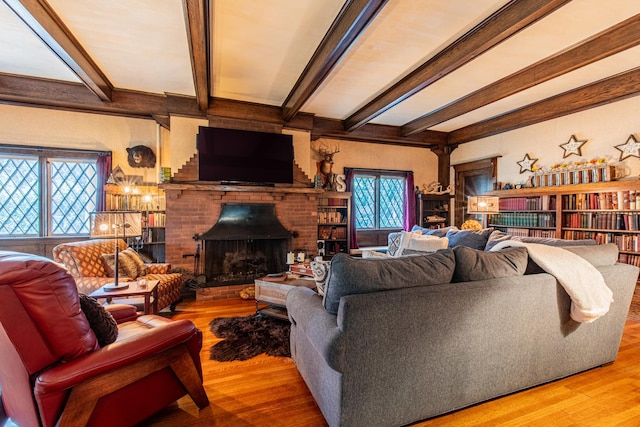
x=249 y=336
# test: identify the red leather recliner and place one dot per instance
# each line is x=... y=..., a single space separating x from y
x=52 y=370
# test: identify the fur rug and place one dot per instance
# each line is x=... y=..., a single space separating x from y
x=247 y=337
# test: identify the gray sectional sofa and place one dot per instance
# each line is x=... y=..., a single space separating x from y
x=395 y=341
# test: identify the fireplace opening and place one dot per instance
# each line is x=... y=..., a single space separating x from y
x=247 y=242
x=230 y=262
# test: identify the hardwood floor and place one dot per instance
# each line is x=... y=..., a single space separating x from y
x=268 y=391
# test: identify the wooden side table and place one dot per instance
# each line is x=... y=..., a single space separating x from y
x=273 y=292
x=150 y=294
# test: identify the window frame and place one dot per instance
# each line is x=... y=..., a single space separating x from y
x=44 y=156
x=378 y=174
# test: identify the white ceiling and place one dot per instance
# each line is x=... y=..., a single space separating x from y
x=259 y=48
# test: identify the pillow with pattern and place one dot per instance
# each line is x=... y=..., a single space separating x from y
x=135 y=257
x=126 y=266
x=320 y=271
x=101 y=321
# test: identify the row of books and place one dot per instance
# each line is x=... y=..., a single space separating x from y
x=333 y=216
x=524 y=219
x=154 y=219
x=524 y=232
x=615 y=200
x=625 y=242
x=135 y=202
x=602 y=220
x=630 y=259
x=540 y=203
x=332 y=233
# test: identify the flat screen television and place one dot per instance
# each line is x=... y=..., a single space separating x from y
x=240 y=156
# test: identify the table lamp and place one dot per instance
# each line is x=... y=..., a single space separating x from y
x=115 y=225
x=483 y=205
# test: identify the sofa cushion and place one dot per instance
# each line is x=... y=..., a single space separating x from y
x=351 y=275
x=101 y=321
x=473 y=264
x=475 y=239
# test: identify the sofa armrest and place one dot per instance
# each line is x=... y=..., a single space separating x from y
x=306 y=313
x=156 y=337
x=158 y=268
x=122 y=312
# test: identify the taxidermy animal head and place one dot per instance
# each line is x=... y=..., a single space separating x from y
x=141 y=157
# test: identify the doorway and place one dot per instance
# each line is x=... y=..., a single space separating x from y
x=473 y=179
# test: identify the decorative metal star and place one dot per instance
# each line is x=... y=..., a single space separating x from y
x=573 y=146
x=527 y=163
x=629 y=148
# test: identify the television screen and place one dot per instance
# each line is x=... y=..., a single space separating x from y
x=230 y=155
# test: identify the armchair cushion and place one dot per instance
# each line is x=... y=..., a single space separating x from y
x=101 y=321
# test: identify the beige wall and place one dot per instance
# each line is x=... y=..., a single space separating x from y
x=63 y=129
x=353 y=154
x=604 y=127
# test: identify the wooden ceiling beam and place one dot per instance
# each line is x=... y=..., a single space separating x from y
x=47 y=25
x=375 y=133
x=612 y=89
x=510 y=19
x=353 y=18
x=196 y=15
x=37 y=92
x=613 y=40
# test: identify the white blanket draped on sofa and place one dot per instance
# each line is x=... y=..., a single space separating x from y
x=590 y=295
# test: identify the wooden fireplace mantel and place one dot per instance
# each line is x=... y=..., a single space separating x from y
x=208 y=186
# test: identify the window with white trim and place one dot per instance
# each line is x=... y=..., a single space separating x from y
x=379 y=200
x=46 y=192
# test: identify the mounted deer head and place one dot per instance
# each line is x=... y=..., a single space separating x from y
x=326 y=162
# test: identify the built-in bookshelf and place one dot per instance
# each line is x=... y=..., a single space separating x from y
x=608 y=212
x=150 y=201
x=334 y=210
x=432 y=210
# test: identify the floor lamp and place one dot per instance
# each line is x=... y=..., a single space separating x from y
x=483 y=205
x=115 y=225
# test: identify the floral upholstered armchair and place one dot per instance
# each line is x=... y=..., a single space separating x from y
x=88 y=262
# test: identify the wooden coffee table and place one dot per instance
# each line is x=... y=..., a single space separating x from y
x=150 y=294
x=272 y=291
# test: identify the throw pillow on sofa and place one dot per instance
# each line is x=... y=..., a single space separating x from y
x=126 y=266
x=439 y=232
x=351 y=275
x=100 y=320
x=413 y=242
x=320 y=270
x=472 y=264
x=137 y=260
x=475 y=239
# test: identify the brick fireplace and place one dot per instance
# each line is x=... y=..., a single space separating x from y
x=193 y=207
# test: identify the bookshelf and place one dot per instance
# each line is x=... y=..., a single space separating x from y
x=150 y=201
x=608 y=212
x=334 y=210
x=432 y=210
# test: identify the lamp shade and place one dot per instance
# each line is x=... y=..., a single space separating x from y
x=483 y=205
x=115 y=224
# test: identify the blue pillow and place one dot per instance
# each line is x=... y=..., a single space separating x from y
x=475 y=239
